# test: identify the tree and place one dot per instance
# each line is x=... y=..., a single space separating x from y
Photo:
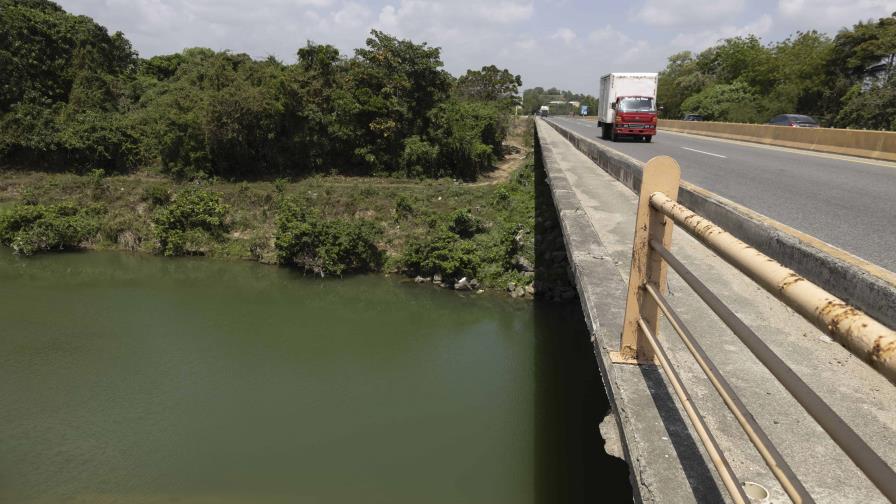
x=489 y=84
x=726 y=102
x=62 y=90
x=74 y=96
x=44 y=51
x=394 y=85
x=680 y=79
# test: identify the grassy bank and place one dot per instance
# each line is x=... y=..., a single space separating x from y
x=325 y=225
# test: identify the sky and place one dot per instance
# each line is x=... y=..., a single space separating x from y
x=567 y=44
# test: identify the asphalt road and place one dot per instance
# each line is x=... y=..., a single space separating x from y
x=847 y=202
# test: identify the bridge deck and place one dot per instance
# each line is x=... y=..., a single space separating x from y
x=597 y=215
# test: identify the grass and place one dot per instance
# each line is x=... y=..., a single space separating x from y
x=406 y=211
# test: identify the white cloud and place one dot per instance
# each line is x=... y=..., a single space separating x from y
x=690 y=12
x=549 y=42
x=416 y=15
x=564 y=34
x=698 y=41
x=608 y=34
x=833 y=14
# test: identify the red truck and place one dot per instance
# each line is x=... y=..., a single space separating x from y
x=627 y=106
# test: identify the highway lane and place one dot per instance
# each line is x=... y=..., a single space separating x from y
x=847 y=202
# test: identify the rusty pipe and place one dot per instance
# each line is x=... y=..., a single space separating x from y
x=729 y=479
x=773 y=459
x=865 y=337
x=840 y=432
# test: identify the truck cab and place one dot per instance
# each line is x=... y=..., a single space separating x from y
x=634 y=116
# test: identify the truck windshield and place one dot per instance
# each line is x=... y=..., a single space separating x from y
x=637 y=105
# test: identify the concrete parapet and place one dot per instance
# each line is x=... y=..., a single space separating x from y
x=863 y=143
x=858 y=282
x=667 y=464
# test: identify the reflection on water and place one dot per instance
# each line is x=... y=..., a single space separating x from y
x=137 y=379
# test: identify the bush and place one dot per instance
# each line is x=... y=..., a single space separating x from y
x=50 y=136
x=404 y=206
x=419 y=158
x=464 y=224
x=735 y=102
x=326 y=247
x=468 y=137
x=194 y=218
x=156 y=195
x=29 y=229
x=441 y=252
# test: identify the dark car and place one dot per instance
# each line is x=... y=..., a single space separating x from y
x=794 y=121
x=693 y=117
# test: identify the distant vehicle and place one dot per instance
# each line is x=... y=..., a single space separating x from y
x=543 y=111
x=693 y=117
x=794 y=121
x=627 y=106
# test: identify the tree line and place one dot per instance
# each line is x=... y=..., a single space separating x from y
x=845 y=81
x=534 y=98
x=74 y=96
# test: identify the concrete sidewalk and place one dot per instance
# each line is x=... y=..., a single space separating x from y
x=668 y=463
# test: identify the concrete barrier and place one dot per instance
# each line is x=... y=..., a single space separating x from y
x=863 y=143
x=858 y=282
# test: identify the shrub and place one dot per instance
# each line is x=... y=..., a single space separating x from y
x=156 y=195
x=280 y=185
x=194 y=218
x=464 y=224
x=325 y=247
x=419 y=158
x=404 y=207
x=442 y=252
x=468 y=137
x=502 y=196
x=29 y=229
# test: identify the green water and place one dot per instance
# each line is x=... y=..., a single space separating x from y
x=138 y=379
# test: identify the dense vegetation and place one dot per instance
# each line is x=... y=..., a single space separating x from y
x=324 y=225
x=75 y=97
x=742 y=80
x=218 y=154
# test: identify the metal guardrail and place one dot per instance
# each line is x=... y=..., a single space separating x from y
x=658 y=213
x=865 y=286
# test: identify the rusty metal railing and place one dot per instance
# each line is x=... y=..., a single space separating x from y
x=874 y=343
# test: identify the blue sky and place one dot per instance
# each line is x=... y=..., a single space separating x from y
x=562 y=43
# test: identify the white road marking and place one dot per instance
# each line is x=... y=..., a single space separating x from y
x=704 y=152
x=804 y=152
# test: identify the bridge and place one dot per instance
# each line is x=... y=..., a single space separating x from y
x=594 y=188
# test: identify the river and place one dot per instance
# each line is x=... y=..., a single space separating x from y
x=128 y=378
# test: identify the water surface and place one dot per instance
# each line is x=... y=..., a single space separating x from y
x=129 y=378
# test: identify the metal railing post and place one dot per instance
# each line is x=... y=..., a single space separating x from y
x=661 y=174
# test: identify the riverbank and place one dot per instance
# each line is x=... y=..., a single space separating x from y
x=442 y=231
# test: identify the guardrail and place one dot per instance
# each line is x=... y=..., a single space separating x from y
x=864 y=285
x=864 y=143
x=658 y=213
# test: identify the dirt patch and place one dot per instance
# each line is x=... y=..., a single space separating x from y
x=514 y=157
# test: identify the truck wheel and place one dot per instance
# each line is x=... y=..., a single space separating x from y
x=648 y=138
x=604 y=133
x=612 y=133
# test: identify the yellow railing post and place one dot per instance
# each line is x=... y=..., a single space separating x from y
x=661 y=174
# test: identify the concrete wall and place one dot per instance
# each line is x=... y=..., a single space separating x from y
x=870 y=144
x=868 y=287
